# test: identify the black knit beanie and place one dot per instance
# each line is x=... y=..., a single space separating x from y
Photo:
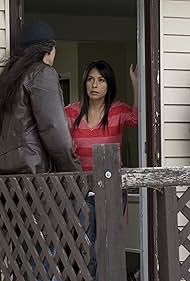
x=35 y=33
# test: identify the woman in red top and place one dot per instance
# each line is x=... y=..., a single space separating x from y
x=99 y=119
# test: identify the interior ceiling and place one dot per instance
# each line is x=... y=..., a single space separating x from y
x=115 y=8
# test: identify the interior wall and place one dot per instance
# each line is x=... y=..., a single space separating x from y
x=112 y=52
x=131 y=134
x=66 y=63
x=89 y=28
x=94 y=37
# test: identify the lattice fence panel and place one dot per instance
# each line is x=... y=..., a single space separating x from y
x=43 y=225
x=183 y=207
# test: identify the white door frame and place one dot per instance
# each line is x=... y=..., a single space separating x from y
x=143 y=211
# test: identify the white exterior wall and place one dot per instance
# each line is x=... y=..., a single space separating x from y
x=175 y=90
x=175 y=82
x=4 y=29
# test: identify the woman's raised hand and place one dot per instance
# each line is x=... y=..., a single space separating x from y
x=134 y=80
x=133 y=75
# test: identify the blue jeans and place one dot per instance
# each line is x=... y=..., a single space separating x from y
x=92 y=229
x=46 y=264
x=91 y=233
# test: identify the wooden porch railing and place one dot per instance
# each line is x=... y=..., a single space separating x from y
x=42 y=236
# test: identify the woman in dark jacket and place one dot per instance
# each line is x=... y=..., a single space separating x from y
x=34 y=133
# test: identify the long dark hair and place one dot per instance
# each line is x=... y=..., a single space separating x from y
x=16 y=67
x=108 y=74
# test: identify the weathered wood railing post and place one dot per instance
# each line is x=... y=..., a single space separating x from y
x=110 y=250
x=168 y=244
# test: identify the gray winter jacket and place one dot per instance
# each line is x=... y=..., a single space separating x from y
x=34 y=136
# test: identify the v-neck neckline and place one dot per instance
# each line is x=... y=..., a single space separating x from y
x=90 y=128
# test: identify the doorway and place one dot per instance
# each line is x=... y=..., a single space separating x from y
x=87 y=31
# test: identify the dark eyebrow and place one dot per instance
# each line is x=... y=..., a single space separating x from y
x=94 y=77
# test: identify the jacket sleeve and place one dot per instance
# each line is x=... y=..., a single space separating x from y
x=48 y=109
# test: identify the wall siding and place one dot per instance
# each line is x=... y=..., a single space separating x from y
x=175 y=90
x=175 y=82
x=4 y=30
